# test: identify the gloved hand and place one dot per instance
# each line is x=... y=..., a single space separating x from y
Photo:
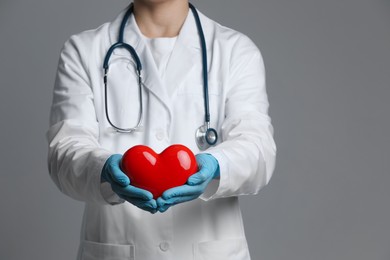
x=195 y=186
x=120 y=184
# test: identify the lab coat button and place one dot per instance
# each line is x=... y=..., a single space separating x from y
x=164 y=246
x=160 y=135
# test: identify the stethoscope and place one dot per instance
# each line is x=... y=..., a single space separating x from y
x=205 y=136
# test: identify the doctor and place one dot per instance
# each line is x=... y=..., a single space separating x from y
x=201 y=219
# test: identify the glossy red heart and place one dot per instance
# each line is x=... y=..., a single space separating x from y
x=158 y=172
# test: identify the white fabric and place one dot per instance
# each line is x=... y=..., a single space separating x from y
x=161 y=49
x=81 y=139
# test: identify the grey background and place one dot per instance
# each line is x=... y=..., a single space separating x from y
x=328 y=76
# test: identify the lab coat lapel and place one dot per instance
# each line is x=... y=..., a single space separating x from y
x=133 y=37
x=185 y=55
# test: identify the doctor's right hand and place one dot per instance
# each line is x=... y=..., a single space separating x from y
x=120 y=184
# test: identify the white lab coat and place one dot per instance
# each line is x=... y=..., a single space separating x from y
x=80 y=139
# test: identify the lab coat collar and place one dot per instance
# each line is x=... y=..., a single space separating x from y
x=186 y=50
x=186 y=55
x=188 y=34
x=133 y=37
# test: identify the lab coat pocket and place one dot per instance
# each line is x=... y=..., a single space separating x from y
x=226 y=249
x=101 y=251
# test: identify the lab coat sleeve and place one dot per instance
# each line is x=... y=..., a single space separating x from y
x=75 y=157
x=247 y=153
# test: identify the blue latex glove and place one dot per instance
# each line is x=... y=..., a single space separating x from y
x=195 y=186
x=120 y=184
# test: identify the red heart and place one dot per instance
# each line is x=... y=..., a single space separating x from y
x=158 y=172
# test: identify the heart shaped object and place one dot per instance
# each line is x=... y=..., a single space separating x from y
x=158 y=172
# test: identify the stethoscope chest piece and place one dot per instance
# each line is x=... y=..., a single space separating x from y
x=205 y=137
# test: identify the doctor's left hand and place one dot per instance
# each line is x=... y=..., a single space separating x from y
x=120 y=184
x=195 y=186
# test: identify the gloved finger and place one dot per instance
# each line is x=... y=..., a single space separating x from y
x=150 y=210
x=177 y=200
x=115 y=173
x=132 y=192
x=164 y=205
x=161 y=205
x=160 y=202
x=182 y=191
x=147 y=207
x=150 y=205
x=201 y=176
x=154 y=211
x=163 y=208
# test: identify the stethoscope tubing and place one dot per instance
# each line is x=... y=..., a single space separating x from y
x=204 y=61
x=202 y=132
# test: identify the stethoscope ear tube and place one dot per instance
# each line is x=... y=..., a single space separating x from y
x=139 y=70
x=139 y=122
x=129 y=48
